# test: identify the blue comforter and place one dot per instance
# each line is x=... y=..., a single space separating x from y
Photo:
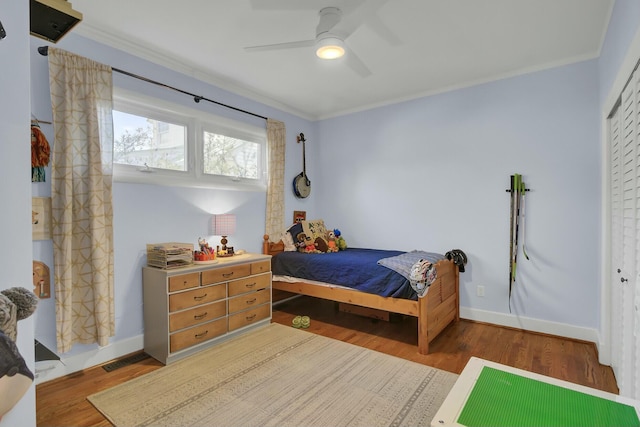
x=354 y=267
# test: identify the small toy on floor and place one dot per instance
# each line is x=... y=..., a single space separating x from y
x=296 y=321
x=301 y=322
x=305 y=322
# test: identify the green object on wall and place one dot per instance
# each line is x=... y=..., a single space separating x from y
x=501 y=398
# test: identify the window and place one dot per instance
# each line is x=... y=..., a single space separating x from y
x=143 y=141
x=227 y=156
x=162 y=143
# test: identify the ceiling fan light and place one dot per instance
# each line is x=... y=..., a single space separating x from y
x=330 y=48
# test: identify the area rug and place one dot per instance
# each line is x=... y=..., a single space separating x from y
x=280 y=376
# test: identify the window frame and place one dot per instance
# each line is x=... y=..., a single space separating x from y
x=196 y=123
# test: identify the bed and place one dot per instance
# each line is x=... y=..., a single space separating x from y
x=439 y=307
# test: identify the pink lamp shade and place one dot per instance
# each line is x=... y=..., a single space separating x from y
x=224 y=225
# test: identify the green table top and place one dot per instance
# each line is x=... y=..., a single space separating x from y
x=504 y=399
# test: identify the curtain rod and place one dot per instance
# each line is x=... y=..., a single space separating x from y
x=44 y=51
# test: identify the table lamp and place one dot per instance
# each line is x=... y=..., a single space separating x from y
x=224 y=225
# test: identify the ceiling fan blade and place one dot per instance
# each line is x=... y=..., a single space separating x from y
x=356 y=64
x=348 y=24
x=282 y=5
x=345 y=6
x=375 y=23
x=279 y=46
x=366 y=14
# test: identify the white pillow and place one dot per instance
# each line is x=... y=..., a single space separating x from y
x=287 y=239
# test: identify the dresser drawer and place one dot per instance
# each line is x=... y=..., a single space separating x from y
x=184 y=281
x=245 y=318
x=196 y=297
x=225 y=273
x=197 y=334
x=250 y=300
x=249 y=284
x=199 y=314
x=261 y=267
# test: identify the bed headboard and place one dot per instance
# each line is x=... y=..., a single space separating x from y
x=270 y=248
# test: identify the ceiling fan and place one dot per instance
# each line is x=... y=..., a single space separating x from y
x=332 y=30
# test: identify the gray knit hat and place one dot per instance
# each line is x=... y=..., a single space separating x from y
x=15 y=304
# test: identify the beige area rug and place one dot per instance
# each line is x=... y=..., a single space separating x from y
x=280 y=376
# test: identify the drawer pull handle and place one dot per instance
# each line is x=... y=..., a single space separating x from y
x=250 y=318
x=251 y=301
x=200 y=297
x=202 y=335
x=200 y=316
x=250 y=285
x=227 y=274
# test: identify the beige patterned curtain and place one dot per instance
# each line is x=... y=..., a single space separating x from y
x=276 y=139
x=82 y=216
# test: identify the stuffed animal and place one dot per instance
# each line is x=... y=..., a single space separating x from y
x=15 y=377
x=306 y=244
x=300 y=241
x=15 y=304
x=321 y=245
x=342 y=244
x=332 y=245
x=310 y=245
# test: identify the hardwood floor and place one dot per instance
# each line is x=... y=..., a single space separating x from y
x=569 y=360
x=62 y=402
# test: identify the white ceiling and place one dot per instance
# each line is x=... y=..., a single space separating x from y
x=441 y=44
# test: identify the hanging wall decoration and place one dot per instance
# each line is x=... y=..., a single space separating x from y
x=517 y=190
x=41 y=280
x=40 y=152
x=299 y=216
x=301 y=183
x=41 y=218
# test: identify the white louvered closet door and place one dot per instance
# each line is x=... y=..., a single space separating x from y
x=624 y=141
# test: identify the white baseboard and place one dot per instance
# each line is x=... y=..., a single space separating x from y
x=604 y=352
x=531 y=324
x=48 y=370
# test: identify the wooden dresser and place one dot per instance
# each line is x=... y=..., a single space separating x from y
x=191 y=308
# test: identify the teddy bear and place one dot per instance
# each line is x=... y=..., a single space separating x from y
x=15 y=304
x=306 y=244
x=303 y=244
x=310 y=245
x=300 y=242
x=332 y=245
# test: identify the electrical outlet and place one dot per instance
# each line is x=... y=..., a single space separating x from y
x=480 y=291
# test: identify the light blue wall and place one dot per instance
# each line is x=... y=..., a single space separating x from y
x=15 y=182
x=151 y=214
x=623 y=26
x=431 y=174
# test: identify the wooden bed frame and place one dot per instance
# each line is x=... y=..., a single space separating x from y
x=437 y=309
